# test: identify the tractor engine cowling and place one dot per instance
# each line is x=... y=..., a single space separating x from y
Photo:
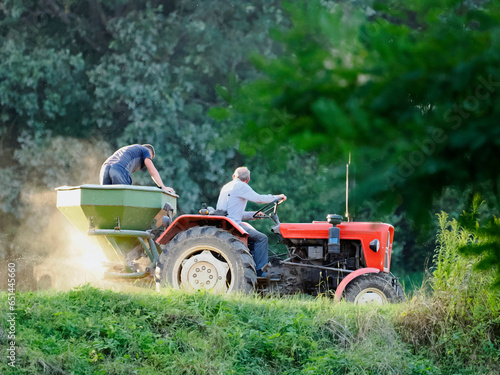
x=348 y=245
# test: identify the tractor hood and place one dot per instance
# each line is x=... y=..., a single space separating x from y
x=319 y=229
x=315 y=230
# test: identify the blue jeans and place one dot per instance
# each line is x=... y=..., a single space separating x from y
x=257 y=242
x=113 y=174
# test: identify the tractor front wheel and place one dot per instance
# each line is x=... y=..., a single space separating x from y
x=374 y=289
x=207 y=258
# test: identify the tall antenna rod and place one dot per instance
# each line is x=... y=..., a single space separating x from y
x=347 y=190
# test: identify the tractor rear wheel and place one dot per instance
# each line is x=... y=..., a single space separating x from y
x=373 y=289
x=207 y=258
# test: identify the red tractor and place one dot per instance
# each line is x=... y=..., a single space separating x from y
x=136 y=230
x=347 y=259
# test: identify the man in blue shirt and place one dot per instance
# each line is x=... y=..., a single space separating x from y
x=233 y=198
x=117 y=169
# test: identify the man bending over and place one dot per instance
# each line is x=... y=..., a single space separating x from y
x=117 y=169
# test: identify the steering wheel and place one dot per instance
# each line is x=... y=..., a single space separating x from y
x=273 y=206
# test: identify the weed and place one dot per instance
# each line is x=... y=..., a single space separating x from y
x=459 y=321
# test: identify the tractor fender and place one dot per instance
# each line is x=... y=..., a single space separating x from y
x=350 y=277
x=184 y=222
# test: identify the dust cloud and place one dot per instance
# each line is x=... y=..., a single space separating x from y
x=74 y=258
x=49 y=252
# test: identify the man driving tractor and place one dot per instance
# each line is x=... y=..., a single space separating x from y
x=233 y=199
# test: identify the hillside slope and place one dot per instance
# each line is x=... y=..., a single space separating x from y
x=93 y=331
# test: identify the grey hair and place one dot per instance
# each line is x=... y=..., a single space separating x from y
x=242 y=173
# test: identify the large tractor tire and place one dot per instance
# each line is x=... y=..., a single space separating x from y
x=374 y=289
x=207 y=258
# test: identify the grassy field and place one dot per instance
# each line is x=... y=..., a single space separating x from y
x=93 y=331
x=450 y=327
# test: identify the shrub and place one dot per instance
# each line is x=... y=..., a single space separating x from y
x=459 y=321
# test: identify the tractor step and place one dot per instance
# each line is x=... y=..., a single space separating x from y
x=270 y=278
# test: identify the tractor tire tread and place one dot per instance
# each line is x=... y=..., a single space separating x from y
x=381 y=282
x=226 y=240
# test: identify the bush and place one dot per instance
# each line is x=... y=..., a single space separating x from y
x=459 y=322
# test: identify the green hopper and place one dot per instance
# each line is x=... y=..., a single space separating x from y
x=121 y=218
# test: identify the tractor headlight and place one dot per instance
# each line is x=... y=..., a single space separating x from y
x=375 y=245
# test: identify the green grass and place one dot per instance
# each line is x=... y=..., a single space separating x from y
x=450 y=326
x=93 y=331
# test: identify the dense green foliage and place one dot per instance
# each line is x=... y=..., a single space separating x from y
x=485 y=231
x=410 y=89
x=460 y=319
x=391 y=96
x=80 y=79
x=122 y=72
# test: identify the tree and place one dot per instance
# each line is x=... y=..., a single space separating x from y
x=100 y=74
x=79 y=79
x=410 y=89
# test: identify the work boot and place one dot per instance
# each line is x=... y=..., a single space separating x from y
x=261 y=274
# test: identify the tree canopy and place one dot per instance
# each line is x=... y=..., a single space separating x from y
x=80 y=79
x=410 y=89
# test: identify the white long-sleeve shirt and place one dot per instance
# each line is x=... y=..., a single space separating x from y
x=234 y=196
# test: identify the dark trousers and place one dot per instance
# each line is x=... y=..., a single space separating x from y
x=258 y=242
x=113 y=174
